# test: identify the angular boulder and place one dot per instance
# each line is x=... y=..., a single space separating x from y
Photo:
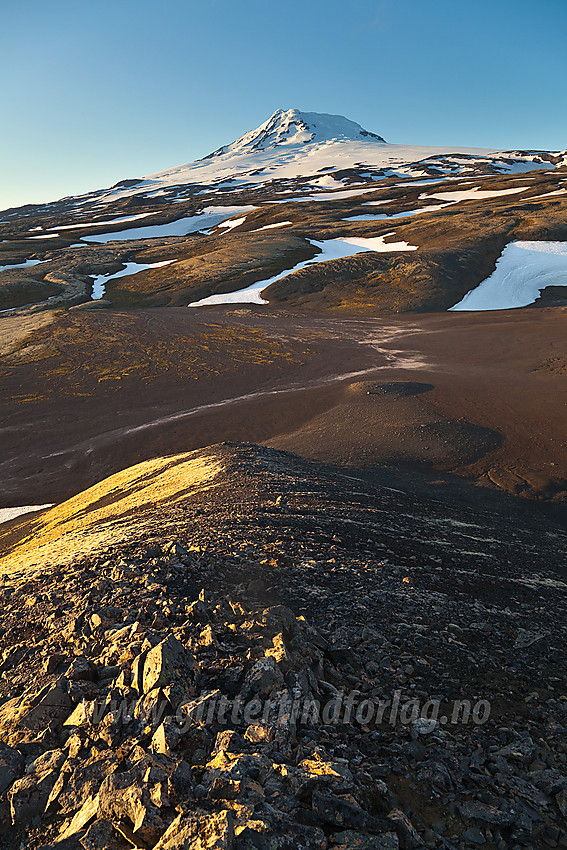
x=168 y=663
x=199 y=832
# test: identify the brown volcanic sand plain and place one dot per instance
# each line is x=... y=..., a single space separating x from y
x=480 y=395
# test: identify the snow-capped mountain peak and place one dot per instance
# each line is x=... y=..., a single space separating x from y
x=318 y=150
x=292 y=127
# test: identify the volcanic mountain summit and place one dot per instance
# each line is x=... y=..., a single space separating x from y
x=295 y=144
x=292 y=127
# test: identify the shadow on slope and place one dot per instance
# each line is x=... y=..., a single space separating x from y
x=247 y=495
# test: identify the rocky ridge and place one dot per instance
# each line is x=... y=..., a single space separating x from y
x=208 y=682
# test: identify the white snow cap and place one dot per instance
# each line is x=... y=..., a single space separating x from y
x=295 y=145
x=292 y=127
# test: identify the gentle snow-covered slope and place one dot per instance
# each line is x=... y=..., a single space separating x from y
x=330 y=249
x=522 y=271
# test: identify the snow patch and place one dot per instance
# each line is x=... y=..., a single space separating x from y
x=210 y=217
x=473 y=194
x=330 y=249
x=346 y=193
x=548 y=194
x=272 y=226
x=383 y=216
x=100 y=280
x=328 y=182
x=121 y=220
x=7 y=514
x=422 y=182
x=235 y=222
x=522 y=271
x=24 y=265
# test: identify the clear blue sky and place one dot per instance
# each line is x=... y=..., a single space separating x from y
x=94 y=92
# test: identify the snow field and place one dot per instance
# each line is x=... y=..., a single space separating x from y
x=522 y=271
